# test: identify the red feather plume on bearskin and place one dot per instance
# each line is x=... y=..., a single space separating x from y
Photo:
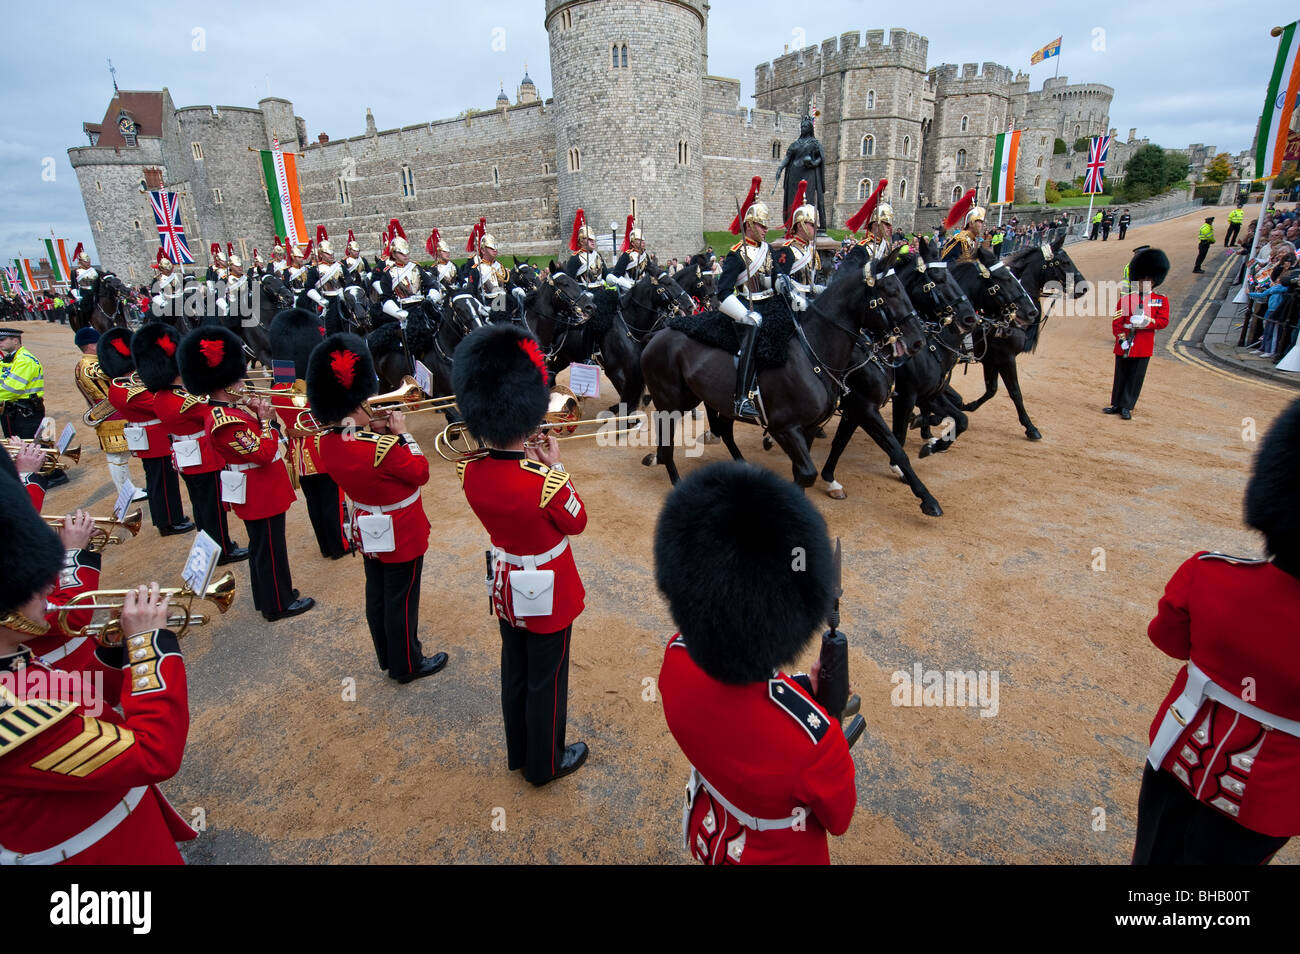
x=344 y=364
x=213 y=351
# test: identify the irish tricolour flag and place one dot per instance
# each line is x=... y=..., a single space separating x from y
x=1283 y=85
x=1005 y=149
x=281 y=171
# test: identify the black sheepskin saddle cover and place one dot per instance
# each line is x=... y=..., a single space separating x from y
x=421 y=328
x=716 y=330
x=606 y=301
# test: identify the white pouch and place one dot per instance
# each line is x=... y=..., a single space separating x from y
x=532 y=592
x=377 y=535
x=234 y=486
x=137 y=438
x=188 y=454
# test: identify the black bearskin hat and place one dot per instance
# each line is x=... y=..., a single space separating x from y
x=499 y=376
x=295 y=333
x=113 y=351
x=1148 y=265
x=210 y=358
x=340 y=376
x=154 y=349
x=745 y=564
x=32 y=555
x=1273 y=492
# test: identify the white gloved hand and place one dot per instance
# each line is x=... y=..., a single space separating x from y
x=434 y=294
x=390 y=308
x=1139 y=321
x=315 y=296
x=798 y=302
x=622 y=281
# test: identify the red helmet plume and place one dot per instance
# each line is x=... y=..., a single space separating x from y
x=799 y=195
x=476 y=233
x=627 y=234
x=863 y=215
x=738 y=222
x=431 y=243
x=579 y=220
x=395 y=230
x=959 y=210
x=321 y=234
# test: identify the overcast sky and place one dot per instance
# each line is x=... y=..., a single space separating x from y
x=1191 y=72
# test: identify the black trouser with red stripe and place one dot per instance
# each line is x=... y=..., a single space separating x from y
x=393 y=612
x=209 y=515
x=326 y=510
x=164 y=490
x=534 y=699
x=268 y=564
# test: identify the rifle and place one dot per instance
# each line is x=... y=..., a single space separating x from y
x=833 y=680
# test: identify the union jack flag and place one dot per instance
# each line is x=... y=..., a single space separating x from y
x=1098 y=147
x=171 y=234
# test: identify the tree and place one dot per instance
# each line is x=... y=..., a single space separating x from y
x=1051 y=193
x=1176 y=169
x=1220 y=168
x=1081 y=144
x=1059 y=149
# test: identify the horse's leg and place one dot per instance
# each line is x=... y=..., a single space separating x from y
x=725 y=428
x=665 y=430
x=1011 y=378
x=874 y=424
x=990 y=380
x=843 y=434
x=792 y=442
x=901 y=404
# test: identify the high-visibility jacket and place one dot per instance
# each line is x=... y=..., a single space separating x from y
x=1207 y=233
x=1097 y=218
x=1235 y=216
x=997 y=239
x=21 y=376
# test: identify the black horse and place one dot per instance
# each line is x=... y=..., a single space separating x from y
x=557 y=310
x=108 y=301
x=865 y=296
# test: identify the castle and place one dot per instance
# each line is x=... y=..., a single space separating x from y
x=636 y=125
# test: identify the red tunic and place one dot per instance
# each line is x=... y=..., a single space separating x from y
x=185 y=417
x=35 y=489
x=58 y=650
x=1155 y=307
x=527 y=509
x=302 y=444
x=66 y=763
x=135 y=403
x=239 y=439
x=769 y=749
x=380 y=470
x=1237 y=620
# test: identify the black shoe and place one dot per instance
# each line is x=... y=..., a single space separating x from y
x=1110 y=410
x=56 y=479
x=574 y=756
x=428 y=666
x=1125 y=414
x=185 y=526
x=1197 y=271
x=297 y=607
x=234 y=555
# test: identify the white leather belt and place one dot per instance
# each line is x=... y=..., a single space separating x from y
x=749 y=821
x=146 y=423
x=67 y=649
x=410 y=299
x=534 y=561
x=387 y=508
x=760 y=295
x=187 y=437
x=79 y=842
x=278 y=454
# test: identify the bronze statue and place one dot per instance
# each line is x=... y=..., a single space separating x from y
x=804 y=159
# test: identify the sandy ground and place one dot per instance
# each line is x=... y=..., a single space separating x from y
x=284 y=766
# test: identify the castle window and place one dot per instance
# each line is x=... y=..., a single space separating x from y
x=143 y=187
x=408 y=182
x=1037 y=181
x=345 y=196
x=683 y=153
x=566 y=20
x=902 y=190
x=99 y=226
x=1040 y=162
x=864 y=189
x=496 y=177
x=197 y=150
x=956 y=193
x=98 y=187
x=868 y=145
x=216 y=197
x=546 y=203
x=546 y=168
x=618 y=56
x=907 y=145
x=965 y=123
x=776 y=150
x=1042 y=140
x=575 y=160
x=871 y=99
x=1076 y=130
x=961 y=160
x=137 y=225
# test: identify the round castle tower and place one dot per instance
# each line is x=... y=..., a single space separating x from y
x=627 y=77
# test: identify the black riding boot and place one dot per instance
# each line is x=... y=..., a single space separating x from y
x=745 y=408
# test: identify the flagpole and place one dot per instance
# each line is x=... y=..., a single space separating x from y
x=1259 y=222
x=1087 y=221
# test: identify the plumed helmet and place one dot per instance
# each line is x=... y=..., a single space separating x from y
x=352 y=245
x=113 y=350
x=399 y=246
x=154 y=350
x=235 y=262
x=295 y=333
x=804 y=213
x=340 y=377
x=32 y=555
x=162 y=261
x=500 y=381
x=636 y=236
x=758 y=212
x=323 y=246
x=883 y=212
x=488 y=241
x=975 y=215
x=1148 y=265
x=210 y=358
x=1273 y=492
x=79 y=254
x=277 y=250
x=746 y=593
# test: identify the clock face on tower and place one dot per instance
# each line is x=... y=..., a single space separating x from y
x=126 y=126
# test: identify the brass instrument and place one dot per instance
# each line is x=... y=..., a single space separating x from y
x=221 y=593
x=453 y=441
x=299 y=399
x=408 y=399
x=104 y=533
x=52 y=454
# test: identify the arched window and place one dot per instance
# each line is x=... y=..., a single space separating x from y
x=871 y=99
x=1076 y=130
x=902 y=190
x=864 y=189
x=776 y=150
x=614 y=55
x=868 y=145
x=907 y=145
x=956 y=193
x=496 y=176
x=961 y=160
x=1037 y=181
x=137 y=225
x=575 y=160
x=683 y=153
x=618 y=56
x=624 y=51
x=1040 y=162
x=965 y=123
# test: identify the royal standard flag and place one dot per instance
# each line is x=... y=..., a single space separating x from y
x=1275 y=122
x=1005 y=150
x=1052 y=49
x=281 y=172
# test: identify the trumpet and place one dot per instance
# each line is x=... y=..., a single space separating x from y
x=221 y=593
x=453 y=441
x=299 y=399
x=52 y=454
x=408 y=399
x=104 y=533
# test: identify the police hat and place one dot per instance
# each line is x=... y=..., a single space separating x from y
x=1148 y=265
x=32 y=555
x=154 y=349
x=10 y=333
x=340 y=375
x=500 y=380
x=295 y=332
x=1273 y=492
x=210 y=358
x=85 y=336
x=114 y=353
x=745 y=563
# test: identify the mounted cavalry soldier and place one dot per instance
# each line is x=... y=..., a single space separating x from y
x=586 y=264
x=278 y=265
x=444 y=270
x=168 y=288
x=259 y=266
x=746 y=281
x=216 y=267
x=239 y=299
x=797 y=257
x=485 y=276
x=964 y=246
x=634 y=259
x=85 y=282
x=404 y=284
x=355 y=268
x=325 y=281
x=296 y=262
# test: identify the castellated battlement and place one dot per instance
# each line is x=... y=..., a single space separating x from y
x=850 y=51
x=972 y=78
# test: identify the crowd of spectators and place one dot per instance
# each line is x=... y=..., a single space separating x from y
x=1272 y=284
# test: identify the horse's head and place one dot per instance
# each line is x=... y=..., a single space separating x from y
x=1061 y=267
x=115 y=285
x=572 y=304
x=525 y=276
x=1005 y=288
x=659 y=293
x=879 y=304
x=468 y=313
x=934 y=291
x=278 y=290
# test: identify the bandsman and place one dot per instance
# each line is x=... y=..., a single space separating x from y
x=745 y=288
x=109 y=424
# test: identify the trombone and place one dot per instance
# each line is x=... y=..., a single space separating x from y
x=408 y=399
x=299 y=399
x=220 y=592
x=453 y=441
x=104 y=533
x=52 y=454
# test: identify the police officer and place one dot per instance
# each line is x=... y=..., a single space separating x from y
x=770 y=771
x=22 y=387
x=1096 y=226
x=1205 y=238
x=1234 y=226
x=520 y=491
x=1140 y=314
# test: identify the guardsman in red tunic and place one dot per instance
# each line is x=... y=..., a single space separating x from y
x=294 y=334
x=145 y=435
x=256 y=481
x=24 y=467
x=529 y=507
x=1139 y=316
x=78 y=781
x=1222 y=780
x=771 y=774
x=79 y=574
x=184 y=419
x=381 y=469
